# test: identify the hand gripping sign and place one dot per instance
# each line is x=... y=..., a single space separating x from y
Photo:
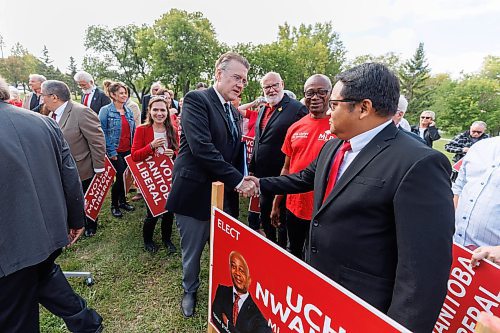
x=98 y=189
x=279 y=292
x=154 y=178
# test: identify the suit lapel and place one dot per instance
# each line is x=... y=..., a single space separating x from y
x=368 y=153
x=218 y=106
x=65 y=116
x=276 y=113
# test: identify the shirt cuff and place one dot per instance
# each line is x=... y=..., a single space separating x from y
x=99 y=170
x=239 y=184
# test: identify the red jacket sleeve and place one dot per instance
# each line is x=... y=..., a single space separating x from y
x=141 y=148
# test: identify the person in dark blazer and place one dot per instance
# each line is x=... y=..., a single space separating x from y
x=273 y=121
x=155 y=87
x=92 y=96
x=233 y=307
x=82 y=130
x=33 y=101
x=210 y=150
x=427 y=129
x=42 y=212
x=376 y=229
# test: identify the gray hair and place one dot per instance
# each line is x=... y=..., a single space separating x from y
x=83 y=76
x=37 y=77
x=432 y=113
x=155 y=84
x=14 y=93
x=320 y=76
x=227 y=57
x=269 y=74
x=57 y=88
x=4 y=90
x=479 y=123
x=403 y=104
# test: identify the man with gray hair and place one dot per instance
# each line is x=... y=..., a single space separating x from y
x=461 y=143
x=398 y=119
x=427 y=129
x=92 y=96
x=82 y=130
x=42 y=212
x=32 y=100
x=275 y=117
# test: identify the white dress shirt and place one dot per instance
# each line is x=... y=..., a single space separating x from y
x=477 y=217
x=243 y=298
x=59 y=111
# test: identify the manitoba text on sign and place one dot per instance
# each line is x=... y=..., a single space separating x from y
x=153 y=176
x=279 y=293
x=98 y=189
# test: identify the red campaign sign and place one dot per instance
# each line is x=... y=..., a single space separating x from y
x=249 y=142
x=457 y=165
x=288 y=295
x=254 y=205
x=98 y=189
x=153 y=176
x=470 y=291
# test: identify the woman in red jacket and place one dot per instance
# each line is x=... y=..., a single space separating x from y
x=157 y=134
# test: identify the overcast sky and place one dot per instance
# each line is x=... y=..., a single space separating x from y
x=457 y=33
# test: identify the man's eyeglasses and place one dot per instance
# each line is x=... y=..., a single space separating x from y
x=319 y=93
x=333 y=102
x=239 y=79
x=424 y=117
x=272 y=86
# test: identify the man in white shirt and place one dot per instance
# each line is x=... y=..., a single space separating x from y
x=477 y=196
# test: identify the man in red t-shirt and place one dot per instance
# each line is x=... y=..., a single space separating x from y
x=303 y=141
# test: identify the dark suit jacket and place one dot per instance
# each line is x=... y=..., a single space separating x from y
x=267 y=158
x=82 y=129
x=98 y=100
x=144 y=103
x=207 y=153
x=431 y=134
x=383 y=232
x=250 y=319
x=40 y=190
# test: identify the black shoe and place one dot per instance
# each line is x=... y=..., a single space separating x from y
x=127 y=207
x=115 y=211
x=170 y=247
x=150 y=247
x=90 y=232
x=188 y=304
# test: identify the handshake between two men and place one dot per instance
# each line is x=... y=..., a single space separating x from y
x=249 y=187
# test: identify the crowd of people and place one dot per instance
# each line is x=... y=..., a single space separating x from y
x=344 y=183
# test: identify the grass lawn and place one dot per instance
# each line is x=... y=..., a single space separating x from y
x=135 y=291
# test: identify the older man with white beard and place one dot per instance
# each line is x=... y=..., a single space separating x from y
x=275 y=117
x=92 y=97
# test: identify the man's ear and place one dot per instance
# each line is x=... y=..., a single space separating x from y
x=366 y=109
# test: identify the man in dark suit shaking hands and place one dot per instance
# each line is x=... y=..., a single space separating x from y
x=376 y=229
x=210 y=150
x=233 y=309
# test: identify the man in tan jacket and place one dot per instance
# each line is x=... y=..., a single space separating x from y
x=82 y=130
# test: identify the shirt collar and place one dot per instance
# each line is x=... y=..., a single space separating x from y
x=60 y=110
x=221 y=99
x=243 y=297
x=361 y=140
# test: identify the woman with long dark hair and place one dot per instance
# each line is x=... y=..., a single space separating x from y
x=118 y=125
x=156 y=135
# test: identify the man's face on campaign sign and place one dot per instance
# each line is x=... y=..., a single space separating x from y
x=239 y=273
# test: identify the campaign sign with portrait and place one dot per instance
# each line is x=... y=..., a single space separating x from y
x=98 y=189
x=470 y=291
x=256 y=286
x=153 y=176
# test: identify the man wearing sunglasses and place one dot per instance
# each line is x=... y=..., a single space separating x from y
x=275 y=117
x=462 y=142
x=427 y=129
x=375 y=229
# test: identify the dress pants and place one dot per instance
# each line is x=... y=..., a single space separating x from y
x=194 y=235
x=298 y=230
x=118 y=190
x=45 y=284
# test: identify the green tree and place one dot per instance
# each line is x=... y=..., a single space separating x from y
x=115 y=54
x=414 y=76
x=17 y=67
x=390 y=59
x=72 y=70
x=45 y=67
x=491 y=67
x=183 y=48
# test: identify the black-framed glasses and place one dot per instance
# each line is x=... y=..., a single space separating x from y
x=425 y=117
x=333 y=102
x=319 y=93
x=274 y=86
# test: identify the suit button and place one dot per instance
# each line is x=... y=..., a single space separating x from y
x=315 y=223
x=314 y=249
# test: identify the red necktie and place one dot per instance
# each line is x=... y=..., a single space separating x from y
x=337 y=161
x=86 y=99
x=235 y=308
